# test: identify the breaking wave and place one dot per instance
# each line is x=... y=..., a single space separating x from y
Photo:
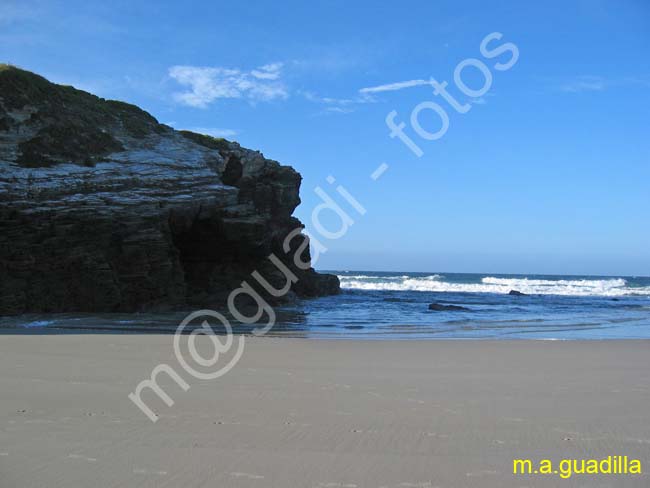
x=436 y=283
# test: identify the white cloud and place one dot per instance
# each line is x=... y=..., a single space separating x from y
x=268 y=71
x=207 y=84
x=400 y=85
x=347 y=105
x=312 y=97
x=339 y=110
x=339 y=105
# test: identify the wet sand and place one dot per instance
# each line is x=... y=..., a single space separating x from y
x=316 y=413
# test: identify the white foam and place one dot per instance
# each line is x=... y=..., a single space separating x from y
x=390 y=278
x=39 y=323
x=489 y=284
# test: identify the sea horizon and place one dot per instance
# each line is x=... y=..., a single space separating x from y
x=487 y=273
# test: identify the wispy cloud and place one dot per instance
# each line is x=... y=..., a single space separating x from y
x=339 y=110
x=338 y=105
x=268 y=71
x=208 y=84
x=312 y=97
x=400 y=85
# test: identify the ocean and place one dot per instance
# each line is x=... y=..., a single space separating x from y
x=387 y=305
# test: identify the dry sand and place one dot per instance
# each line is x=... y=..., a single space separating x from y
x=326 y=414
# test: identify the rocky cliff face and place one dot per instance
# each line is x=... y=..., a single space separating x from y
x=104 y=209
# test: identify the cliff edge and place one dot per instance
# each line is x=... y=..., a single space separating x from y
x=103 y=209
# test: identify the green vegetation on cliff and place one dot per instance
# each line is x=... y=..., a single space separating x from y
x=218 y=143
x=69 y=125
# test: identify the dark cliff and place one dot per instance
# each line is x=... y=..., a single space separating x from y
x=104 y=209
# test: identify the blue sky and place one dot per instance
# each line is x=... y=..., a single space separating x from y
x=548 y=172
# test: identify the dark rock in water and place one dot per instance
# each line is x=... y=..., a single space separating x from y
x=103 y=209
x=447 y=308
x=517 y=293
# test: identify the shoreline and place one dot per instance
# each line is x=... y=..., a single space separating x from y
x=318 y=337
x=411 y=314
x=52 y=331
x=321 y=413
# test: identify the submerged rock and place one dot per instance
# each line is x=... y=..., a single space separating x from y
x=516 y=293
x=104 y=209
x=447 y=308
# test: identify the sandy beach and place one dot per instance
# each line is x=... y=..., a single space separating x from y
x=323 y=414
